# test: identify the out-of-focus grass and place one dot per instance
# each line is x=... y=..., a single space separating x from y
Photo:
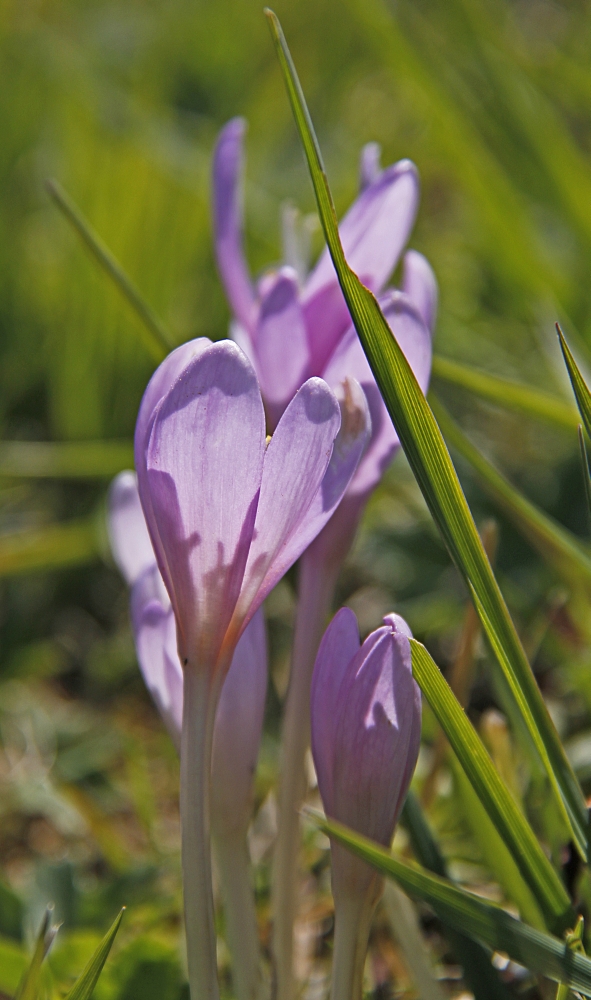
x=121 y=103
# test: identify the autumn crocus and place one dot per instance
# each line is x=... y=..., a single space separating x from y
x=366 y=727
x=238 y=721
x=227 y=515
x=292 y=327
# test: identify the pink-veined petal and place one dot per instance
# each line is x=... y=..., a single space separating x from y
x=281 y=345
x=375 y=230
x=339 y=645
x=420 y=284
x=204 y=468
x=130 y=542
x=237 y=733
x=227 y=218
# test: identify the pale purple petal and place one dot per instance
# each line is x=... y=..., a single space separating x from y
x=339 y=645
x=326 y=317
x=420 y=284
x=397 y=624
x=282 y=356
x=161 y=382
x=238 y=727
x=304 y=478
x=349 y=359
x=369 y=165
x=155 y=641
x=375 y=230
x=227 y=219
x=130 y=543
x=204 y=467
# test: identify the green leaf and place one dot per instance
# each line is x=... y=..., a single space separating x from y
x=53 y=547
x=65 y=459
x=156 y=339
x=29 y=986
x=563 y=550
x=429 y=459
x=470 y=914
x=582 y=394
x=479 y=973
x=508 y=394
x=506 y=816
x=585 y=463
x=85 y=984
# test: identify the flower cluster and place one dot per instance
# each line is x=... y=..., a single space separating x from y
x=253 y=453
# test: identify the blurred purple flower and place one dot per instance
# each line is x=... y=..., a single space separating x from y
x=292 y=331
x=366 y=728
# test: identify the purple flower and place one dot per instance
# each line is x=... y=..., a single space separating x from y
x=291 y=333
x=227 y=513
x=366 y=728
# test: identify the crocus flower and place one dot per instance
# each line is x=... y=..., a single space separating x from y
x=238 y=722
x=292 y=329
x=366 y=727
x=227 y=515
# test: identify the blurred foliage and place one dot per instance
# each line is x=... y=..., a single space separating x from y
x=121 y=104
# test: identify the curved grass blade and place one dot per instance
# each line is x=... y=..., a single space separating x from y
x=429 y=459
x=85 y=984
x=471 y=915
x=29 y=987
x=582 y=394
x=53 y=547
x=479 y=972
x=564 y=551
x=64 y=459
x=585 y=463
x=508 y=394
x=156 y=339
x=534 y=867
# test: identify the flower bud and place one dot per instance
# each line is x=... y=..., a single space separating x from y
x=366 y=726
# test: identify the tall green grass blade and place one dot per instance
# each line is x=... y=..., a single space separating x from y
x=55 y=546
x=64 y=459
x=84 y=986
x=585 y=464
x=29 y=987
x=429 y=459
x=512 y=826
x=479 y=973
x=471 y=915
x=508 y=394
x=562 y=549
x=582 y=394
x=156 y=339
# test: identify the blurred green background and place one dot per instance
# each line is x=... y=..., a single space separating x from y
x=121 y=102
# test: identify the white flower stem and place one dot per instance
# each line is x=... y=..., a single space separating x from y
x=199 y=706
x=353 y=915
x=235 y=876
x=315 y=594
